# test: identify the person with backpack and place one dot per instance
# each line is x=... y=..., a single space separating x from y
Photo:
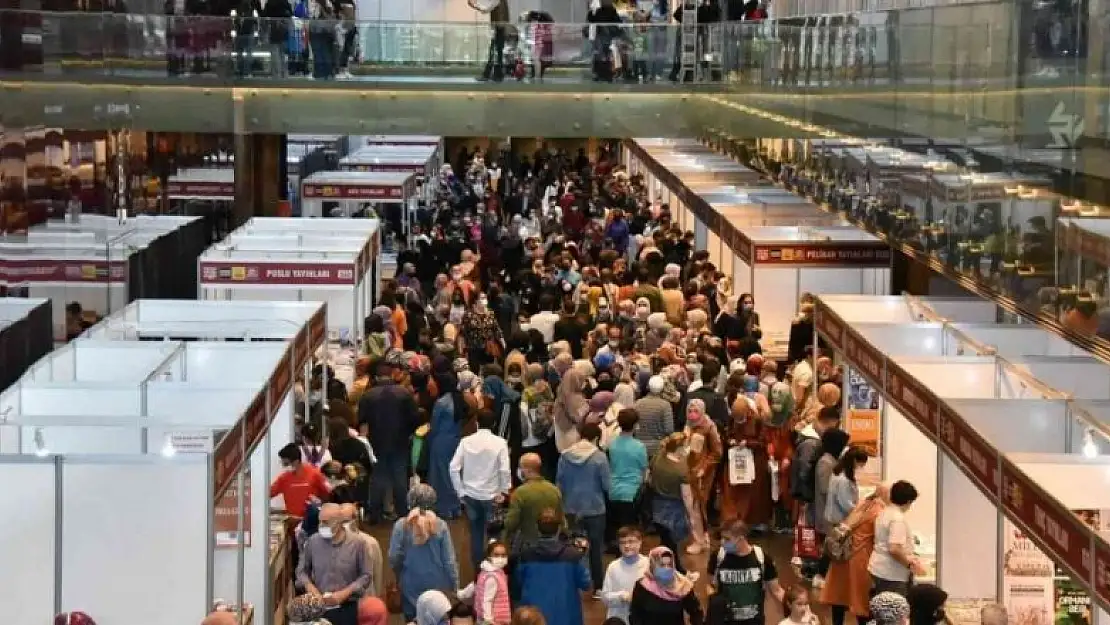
x=537 y=404
x=742 y=575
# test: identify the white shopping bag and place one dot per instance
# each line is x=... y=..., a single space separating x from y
x=741 y=466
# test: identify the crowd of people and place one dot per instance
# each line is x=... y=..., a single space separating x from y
x=557 y=362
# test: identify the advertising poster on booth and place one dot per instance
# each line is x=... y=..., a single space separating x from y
x=862 y=424
x=1028 y=579
x=226 y=512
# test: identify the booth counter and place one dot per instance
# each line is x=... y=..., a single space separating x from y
x=26 y=334
x=207 y=409
x=958 y=424
x=344 y=271
x=100 y=266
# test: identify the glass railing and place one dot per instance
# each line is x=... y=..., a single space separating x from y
x=991 y=46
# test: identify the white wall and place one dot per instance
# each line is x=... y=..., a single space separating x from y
x=954 y=377
x=340 y=301
x=919 y=339
x=27 y=503
x=124 y=556
x=81 y=400
x=909 y=455
x=1083 y=378
x=1076 y=482
x=90 y=439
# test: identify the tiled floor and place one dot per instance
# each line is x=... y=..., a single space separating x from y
x=777 y=546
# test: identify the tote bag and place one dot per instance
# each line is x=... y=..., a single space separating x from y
x=741 y=466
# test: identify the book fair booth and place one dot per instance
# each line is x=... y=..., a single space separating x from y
x=332 y=260
x=26 y=334
x=1002 y=429
x=100 y=263
x=1085 y=257
x=195 y=428
x=418 y=160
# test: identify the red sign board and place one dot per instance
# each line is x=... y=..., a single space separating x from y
x=226 y=513
x=353 y=192
x=867 y=360
x=829 y=326
x=1066 y=539
x=317 y=329
x=201 y=189
x=1102 y=569
x=227 y=459
x=916 y=402
x=257 y=418
x=393 y=168
x=293 y=274
x=812 y=254
x=743 y=245
x=300 y=351
x=1089 y=245
x=17 y=271
x=281 y=380
x=977 y=457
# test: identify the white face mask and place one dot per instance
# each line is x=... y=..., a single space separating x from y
x=326 y=532
x=499 y=561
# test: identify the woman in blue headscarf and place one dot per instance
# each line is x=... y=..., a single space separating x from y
x=505 y=403
x=421 y=553
x=449 y=414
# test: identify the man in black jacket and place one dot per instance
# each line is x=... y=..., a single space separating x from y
x=388 y=416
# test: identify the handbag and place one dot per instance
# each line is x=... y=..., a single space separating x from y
x=305 y=608
x=838 y=544
x=741 y=466
x=805 y=540
x=393 y=598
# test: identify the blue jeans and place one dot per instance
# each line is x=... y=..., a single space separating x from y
x=391 y=472
x=323 y=54
x=479 y=513
x=594 y=529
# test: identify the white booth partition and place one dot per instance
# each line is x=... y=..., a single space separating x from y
x=417 y=160
x=339 y=270
x=950 y=423
x=122 y=538
x=210 y=320
x=908 y=309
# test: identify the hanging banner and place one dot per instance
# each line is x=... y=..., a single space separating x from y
x=285 y=274
x=226 y=521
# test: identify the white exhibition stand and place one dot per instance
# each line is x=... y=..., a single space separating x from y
x=178 y=423
x=338 y=264
x=954 y=414
x=351 y=189
x=84 y=262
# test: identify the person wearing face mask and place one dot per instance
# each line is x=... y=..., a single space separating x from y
x=481 y=335
x=334 y=566
x=664 y=596
x=623 y=573
x=299 y=481
x=742 y=576
x=491 y=589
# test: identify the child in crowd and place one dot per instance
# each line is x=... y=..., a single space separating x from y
x=491 y=590
x=623 y=573
x=796 y=602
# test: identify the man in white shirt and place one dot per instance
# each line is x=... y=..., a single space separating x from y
x=893 y=561
x=481 y=476
x=545 y=320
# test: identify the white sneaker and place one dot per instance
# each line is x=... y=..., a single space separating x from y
x=343 y=75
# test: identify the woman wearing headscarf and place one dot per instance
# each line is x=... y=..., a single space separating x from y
x=421 y=553
x=449 y=416
x=827 y=395
x=848 y=583
x=747 y=429
x=927 y=604
x=432 y=608
x=664 y=596
x=570 y=407
x=361 y=383
x=537 y=407
x=481 y=334
x=704 y=450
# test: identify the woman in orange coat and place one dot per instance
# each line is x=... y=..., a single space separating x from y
x=750 y=503
x=704 y=445
x=848 y=583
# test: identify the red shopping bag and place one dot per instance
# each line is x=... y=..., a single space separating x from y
x=806 y=545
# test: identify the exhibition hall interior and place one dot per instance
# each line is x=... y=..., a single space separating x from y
x=621 y=312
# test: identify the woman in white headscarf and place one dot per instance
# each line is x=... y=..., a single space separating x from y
x=432 y=608
x=570 y=408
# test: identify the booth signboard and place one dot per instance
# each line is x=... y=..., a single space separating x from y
x=1089 y=245
x=200 y=189
x=915 y=401
x=257 y=417
x=227 y=458
x=226 y=521
x=855 y=254
x=317 y=330
x=388 y=168
x=967 y=447
x=194 y=442
x=831 y=327
x=867 y=359
x=281 y=380
x=39 y=270
x=743 y=247
x=281 y=273
x=1102 y=570
x=1059 y=531
x=353 y=192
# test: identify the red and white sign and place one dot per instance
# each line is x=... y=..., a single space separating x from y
x=200 y=189
x=868 y=360
x=855 y=254
x=318 y=328
x=353 y=192
x=976 y=456
x=227 y=460
x=17 y=271
x=916 y=402
x=1060 y=532
x=290 y=274
x=1102 y=570
x=391 y=168
x=829 y=326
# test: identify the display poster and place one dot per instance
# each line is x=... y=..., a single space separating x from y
x=1028 y=579
x=226 y=523
x=863 y=424
x=1073 y=604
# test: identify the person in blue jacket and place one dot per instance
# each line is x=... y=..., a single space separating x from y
x=551 y=573
x=583 y=478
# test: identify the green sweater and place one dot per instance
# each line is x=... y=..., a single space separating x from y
x=525 y=506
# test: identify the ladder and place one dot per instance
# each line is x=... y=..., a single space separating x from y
x=688 y=34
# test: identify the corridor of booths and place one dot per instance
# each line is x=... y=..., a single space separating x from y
x=608 y=383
